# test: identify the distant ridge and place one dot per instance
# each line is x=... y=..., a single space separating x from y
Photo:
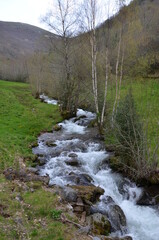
x=21 y=39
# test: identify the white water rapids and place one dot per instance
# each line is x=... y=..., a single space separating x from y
x=142 y=221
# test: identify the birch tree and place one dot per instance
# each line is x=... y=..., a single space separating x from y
x=119 y=65
x=91 y=10
x=62 y=20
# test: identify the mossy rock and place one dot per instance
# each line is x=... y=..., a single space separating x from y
x=51 y=144
x=34 y=144
x=35 y=185
x=100 y=224
x=115 y=164
x=57 y=127
x=67 y=114
x=93 y=123
x=89 y=193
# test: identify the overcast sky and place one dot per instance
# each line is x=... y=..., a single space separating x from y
x=29 y=11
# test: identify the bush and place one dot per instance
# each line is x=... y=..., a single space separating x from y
x=134 y=149
x=129 y=130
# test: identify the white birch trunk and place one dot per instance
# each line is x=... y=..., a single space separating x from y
x=106 y=87
x=117 y=69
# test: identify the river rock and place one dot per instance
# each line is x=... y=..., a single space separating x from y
x=80 y=179
x=57 y=127
x=73 y=155
x=24 y=176
x=100 y=224
x=116 y=238
x=81 y=197
x=79 y=118
x=51 y=144
x=72 y=162
x=117 y=218
x=34 y=144
x=96 y=238
x=84 y=230
x=103 y=209
x=41 y=161
x=150 y=196
x=68 y=194
x=88 y=194
x=32 y=170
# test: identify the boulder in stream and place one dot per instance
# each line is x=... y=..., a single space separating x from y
x=100 y=224
x=150 y=196
x=80 y=179
x=117 y=218
x=72 y=162
x=51 y=144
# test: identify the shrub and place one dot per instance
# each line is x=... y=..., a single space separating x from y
x=134 y=149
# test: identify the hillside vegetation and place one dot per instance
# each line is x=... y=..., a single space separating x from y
x=146 y=96
x=22 y=119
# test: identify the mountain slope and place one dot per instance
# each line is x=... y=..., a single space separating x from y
x=19 y=39
x=19 y=42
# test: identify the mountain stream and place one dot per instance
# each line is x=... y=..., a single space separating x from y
x=77 y=141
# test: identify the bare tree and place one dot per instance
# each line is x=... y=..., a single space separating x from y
x=63 y=22
x=119 y=64
x=90 y=20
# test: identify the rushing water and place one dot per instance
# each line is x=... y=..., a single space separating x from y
x=75 y=138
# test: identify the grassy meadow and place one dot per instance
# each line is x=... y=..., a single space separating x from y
x=35 y=215
x=22 y=118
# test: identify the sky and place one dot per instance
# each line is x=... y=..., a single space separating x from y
x=25 y=11
x=30 y=11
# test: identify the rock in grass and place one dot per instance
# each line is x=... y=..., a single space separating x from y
x=68 y=194
x=32 y=170
x=34 y=144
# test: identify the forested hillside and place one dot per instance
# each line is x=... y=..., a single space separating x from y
x=140 y=35
x=28 y=45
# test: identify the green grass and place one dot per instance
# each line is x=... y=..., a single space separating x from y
x=22 y=118
x=32 y=217
x=37 y=215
